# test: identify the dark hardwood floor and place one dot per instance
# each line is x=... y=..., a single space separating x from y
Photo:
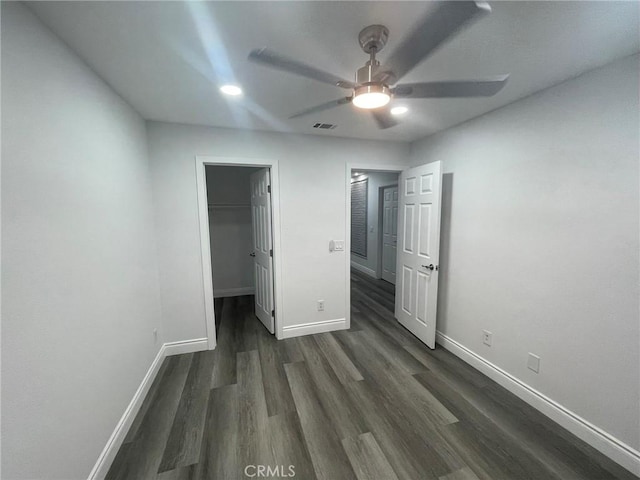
x=368 y=403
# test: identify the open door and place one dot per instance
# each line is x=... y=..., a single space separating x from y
x=420 y=192
x=262 y=247
x=389 y=233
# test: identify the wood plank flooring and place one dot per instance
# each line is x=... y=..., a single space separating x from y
x=370 y=403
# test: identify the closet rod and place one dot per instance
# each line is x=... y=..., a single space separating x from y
x=229 y=205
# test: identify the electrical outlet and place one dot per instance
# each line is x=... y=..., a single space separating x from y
x=321 y=305
x=486 y=337
x=533 y=362
x=155 y=335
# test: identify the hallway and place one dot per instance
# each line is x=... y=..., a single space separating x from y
x=368 y=403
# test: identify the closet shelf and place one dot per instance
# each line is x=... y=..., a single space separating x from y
x=229 y=205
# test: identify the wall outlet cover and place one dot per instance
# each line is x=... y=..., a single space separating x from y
x=321 y=305
x=487 y=337
x=533 y=362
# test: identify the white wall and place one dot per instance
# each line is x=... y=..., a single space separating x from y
x=540 y=242
x=312 y=195
x=376 y=180
x=230 y=233
x=80 y=294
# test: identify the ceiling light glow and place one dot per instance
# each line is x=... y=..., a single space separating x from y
x=399 y=110
x=371 y=96
x=232 y=90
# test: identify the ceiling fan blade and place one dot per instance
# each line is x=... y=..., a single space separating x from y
x=280 y=62
x=437 y=27
x=383 y=118
x=466 y=88
x=322 y=107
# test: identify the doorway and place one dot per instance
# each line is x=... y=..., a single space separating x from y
x=374 y=223
x=414 y=196
x=238 y=205
x=371 y=252
x=230 y=230
x=388 y=241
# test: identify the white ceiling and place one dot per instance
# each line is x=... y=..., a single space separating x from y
x=168 y=58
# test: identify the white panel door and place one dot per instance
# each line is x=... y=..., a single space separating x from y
x=262 y=246
x=389 y=232
x=419 y=235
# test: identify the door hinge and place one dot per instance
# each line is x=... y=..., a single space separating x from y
x=268 y=188
x=271 y=252
x=273 y=313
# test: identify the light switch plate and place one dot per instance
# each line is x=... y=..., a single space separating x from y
x=339 y=245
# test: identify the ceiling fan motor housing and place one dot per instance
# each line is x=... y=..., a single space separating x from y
x=366 y=74
x=372 y=39
x=365 y=77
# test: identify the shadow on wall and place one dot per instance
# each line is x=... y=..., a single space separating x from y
x=445 y=243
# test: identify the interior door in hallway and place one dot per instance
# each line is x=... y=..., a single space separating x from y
x=262 y=246
x=420 y=192
x=389 y=232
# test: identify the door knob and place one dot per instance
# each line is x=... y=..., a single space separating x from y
x=431 y=267
x=252 y=254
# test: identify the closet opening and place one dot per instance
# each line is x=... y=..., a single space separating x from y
x=236 y=207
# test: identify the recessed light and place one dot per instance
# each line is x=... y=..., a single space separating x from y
x=399 y=110
x=233 y=90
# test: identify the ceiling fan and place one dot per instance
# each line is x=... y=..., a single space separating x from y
x=376 y=84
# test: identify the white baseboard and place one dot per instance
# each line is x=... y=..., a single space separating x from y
x=186 y=346
x=110 y=450
x=602 y=441
x=233 y=292
x=315 y=327
x=114 y=443
x=363 y=269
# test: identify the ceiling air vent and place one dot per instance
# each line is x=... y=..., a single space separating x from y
x=325 y=126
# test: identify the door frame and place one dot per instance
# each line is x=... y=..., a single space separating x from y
x=380 y=220
x=201 y=162
x=369 y=167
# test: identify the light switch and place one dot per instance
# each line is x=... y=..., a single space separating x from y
x=336 y=245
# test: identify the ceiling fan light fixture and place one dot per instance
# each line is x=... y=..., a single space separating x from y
x=371 y=96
